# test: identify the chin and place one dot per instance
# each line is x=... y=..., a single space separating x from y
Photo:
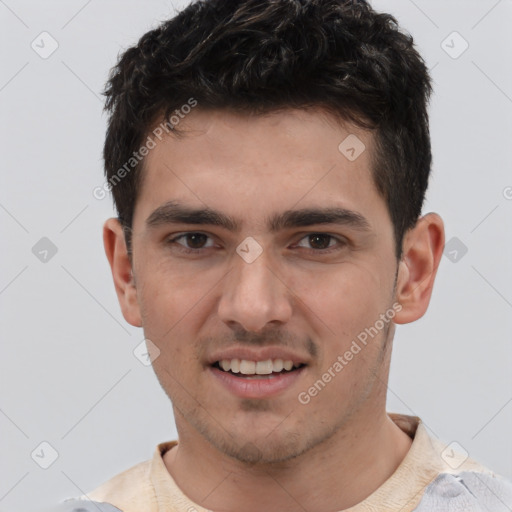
x=263 y=452
x=253 y=445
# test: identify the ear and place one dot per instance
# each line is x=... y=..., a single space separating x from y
x=117 y=255
x=422 y=251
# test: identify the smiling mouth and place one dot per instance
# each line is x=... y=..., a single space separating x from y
x=244 y=368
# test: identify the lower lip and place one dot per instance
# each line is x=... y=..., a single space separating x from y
x=256 y=388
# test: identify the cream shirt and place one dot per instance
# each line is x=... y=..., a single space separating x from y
x=431 y=477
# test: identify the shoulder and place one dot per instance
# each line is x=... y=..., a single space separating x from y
x=467 y=491
x=132 y=490
x=79 y=505
x=126 y=490
x=129 y=491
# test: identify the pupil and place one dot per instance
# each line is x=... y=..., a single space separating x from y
x=325 y=238
x=194 y=244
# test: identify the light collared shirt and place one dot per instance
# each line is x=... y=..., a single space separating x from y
x=432 y=477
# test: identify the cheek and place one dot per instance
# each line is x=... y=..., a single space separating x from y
x=343 y=298
x=171 y=291
x=175 y=304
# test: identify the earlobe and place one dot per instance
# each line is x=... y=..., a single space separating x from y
x=422 y=251
x=122 y=272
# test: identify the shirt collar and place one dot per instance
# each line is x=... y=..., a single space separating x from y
x=401 y=491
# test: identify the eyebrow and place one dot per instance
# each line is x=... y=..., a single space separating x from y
x=174 y=212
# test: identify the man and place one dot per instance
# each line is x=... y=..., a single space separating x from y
x=268 y=162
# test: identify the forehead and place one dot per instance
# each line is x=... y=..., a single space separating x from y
x=245 y=164
x=291 y=134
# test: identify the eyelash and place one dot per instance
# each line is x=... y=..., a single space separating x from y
x=186 y=250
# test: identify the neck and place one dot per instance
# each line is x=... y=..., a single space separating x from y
x=335 y=475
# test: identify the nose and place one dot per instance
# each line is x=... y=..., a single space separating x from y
x=254 y=295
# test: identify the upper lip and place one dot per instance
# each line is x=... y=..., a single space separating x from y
x=262 y=354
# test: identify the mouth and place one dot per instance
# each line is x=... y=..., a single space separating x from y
x=262 y=379
x=245 y=369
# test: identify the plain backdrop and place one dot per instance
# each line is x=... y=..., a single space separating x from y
x=69 y=377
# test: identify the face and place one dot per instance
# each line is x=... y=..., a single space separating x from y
x=258 y=245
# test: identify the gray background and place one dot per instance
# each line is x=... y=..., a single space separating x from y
x=68 y=373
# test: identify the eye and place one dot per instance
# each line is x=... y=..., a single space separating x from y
x=193 y=242
x=321 y=242
x=196 y=242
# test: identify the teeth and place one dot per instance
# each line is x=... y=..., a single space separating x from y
x=278 y=365
x=264 y=367
x=267 y=367
x=247 y=367
x=288 y=365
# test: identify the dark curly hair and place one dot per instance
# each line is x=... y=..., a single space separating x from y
x=259 y=56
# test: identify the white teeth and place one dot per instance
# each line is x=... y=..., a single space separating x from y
x=267 y=367
x=247 y=367
x=278 y=365
x=264 y=367
x=235 y=365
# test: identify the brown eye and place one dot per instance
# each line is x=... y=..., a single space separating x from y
x=195 y=240
x=319 y=241
x=191 y=242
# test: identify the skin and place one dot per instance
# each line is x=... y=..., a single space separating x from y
x=273 y=454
